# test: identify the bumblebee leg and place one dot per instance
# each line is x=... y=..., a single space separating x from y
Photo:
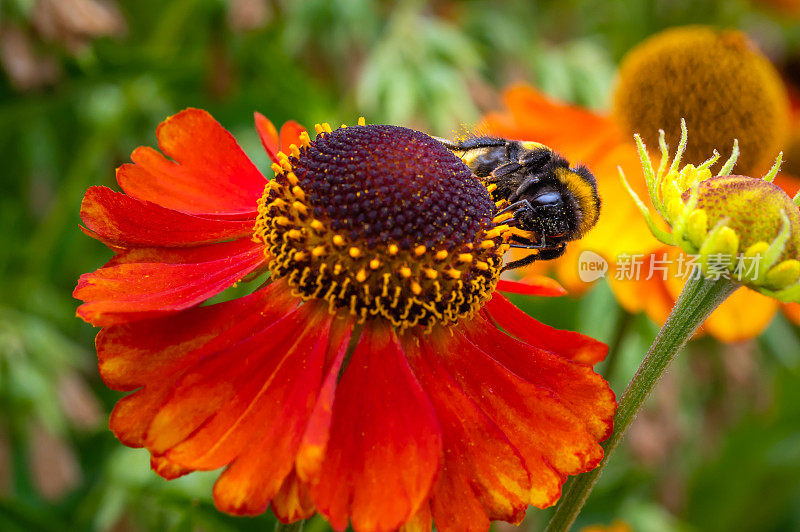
x=514 y=207
x=551 y=253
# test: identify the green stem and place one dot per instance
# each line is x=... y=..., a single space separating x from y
x=297 y=526
x=698 y=299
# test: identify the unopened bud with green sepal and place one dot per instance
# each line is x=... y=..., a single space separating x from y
x=748 y=219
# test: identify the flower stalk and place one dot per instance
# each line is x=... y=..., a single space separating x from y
x=699 y=298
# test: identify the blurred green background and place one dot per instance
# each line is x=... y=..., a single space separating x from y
x=84 y=82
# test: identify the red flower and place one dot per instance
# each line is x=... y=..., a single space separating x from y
x=368 y=378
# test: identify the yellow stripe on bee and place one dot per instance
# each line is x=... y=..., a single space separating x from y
x=584 y=192
x=530 y=145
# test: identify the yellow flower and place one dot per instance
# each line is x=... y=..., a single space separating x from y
x=603 y=142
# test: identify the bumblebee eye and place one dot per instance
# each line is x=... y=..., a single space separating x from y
x=547 y=199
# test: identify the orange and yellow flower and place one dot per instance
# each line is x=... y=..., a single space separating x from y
x=368 y=378
x=604 y=142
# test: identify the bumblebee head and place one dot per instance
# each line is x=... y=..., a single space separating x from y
x=561 y=203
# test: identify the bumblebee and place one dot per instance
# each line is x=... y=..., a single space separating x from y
x=550 y=202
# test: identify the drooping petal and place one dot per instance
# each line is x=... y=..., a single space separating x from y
x=156 y=353
x=213 y=394
x=221 y=438
x=144 y=352
x=293 y=502
x=311 y=453
x=421 y=521
x=120 y=220
x=532 y=285
x=210 y=173
x=568 y=344
x=552 y=440
x=582 y=391
x=271 y=428
x=482 y=477
x=128 y=292
x=166 y=469
x=385 y=442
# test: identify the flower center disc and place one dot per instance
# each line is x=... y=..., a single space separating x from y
x=381 y=221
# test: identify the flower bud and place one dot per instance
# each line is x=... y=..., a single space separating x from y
x=743 y=227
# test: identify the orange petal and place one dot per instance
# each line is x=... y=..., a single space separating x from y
x=210 y=400
x=552 y=440
x=121 y=220
x=481 y=472
x=158 y=352
x=311 y=453
x=568 y=344
x=211 y=173
x=421 y=522
x=532 y=285
x=792 y=311
x=269 y=136
x=290 y=134
x=574 y=384
x=128 y=292
x=166 y=469
x=385 y=443
x=744 y=315
x=292 y=502
x=268 y=433
x=143 y=352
